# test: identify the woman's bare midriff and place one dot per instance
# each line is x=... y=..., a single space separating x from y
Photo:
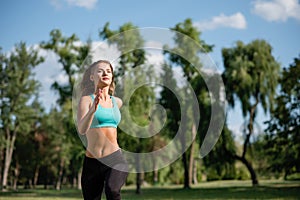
x=101 y=142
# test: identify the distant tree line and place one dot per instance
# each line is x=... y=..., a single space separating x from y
x=43 y=148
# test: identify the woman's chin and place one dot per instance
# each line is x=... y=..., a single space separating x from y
x=103 y=85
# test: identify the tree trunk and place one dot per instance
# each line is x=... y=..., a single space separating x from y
x=191 y=163
x=185 y=164
x=155 y=171
x=79 y=179
x=246 y=144
x=46 y=178
x=1 y=164
x=195 y=177
x=16 y=173
x=138 y=183
x=36 y=175
x=138 y=174
x=155 y=177
x=74 y=181
x=10 y=143
x=60 y=174
x=250 y=169
x=183 y=133
x=186 y=171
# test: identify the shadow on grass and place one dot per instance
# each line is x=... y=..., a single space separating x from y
x=216 y=193
x=65 y=193
x=221 y=191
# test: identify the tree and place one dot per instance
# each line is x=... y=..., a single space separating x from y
x=129 y=43
x=71 y=55
x=282 y=142
x=186 y=36
x=18 y=87
x=27 y=157
x=251 y=75
x=130 y=72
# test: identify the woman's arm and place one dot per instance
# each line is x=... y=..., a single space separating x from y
x=85 y=113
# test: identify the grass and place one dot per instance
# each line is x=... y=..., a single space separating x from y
x=206 y=190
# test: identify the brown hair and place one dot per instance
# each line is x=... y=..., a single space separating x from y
x=88 y=87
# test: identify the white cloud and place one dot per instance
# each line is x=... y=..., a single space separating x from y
x=61 y=79
x=46 y=73
x=57 y=4
x=155 y=58
x=236 y=21
x=104 y=51
x=277 y=10
x=154 y=45
x=88 y=4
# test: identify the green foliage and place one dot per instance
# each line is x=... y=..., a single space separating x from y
x=294 y=176
x=189 y=44
x=71 y=55
x=219 y=165
x=175 y=175
x=169 y=101
x=129 y=42
x=282 y=144
x=251 y=74
x=18 y=87
x=242 y=174
x=18 y=99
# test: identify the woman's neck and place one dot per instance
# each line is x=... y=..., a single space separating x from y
x=104 y=94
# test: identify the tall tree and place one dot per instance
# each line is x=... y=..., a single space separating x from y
x=188 y=43
x=71 y=53
x=129 y=42
x=251 y=76
x=18 y=87
x=283 y=133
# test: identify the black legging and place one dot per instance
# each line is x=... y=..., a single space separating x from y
x=110 y=172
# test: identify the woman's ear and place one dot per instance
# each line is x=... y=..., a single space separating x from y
x=92 y=78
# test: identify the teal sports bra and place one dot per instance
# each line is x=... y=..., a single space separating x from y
x=106 y=117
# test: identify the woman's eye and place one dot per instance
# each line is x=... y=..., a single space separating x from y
x=102 y=71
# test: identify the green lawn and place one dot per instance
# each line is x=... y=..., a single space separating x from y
x=206 y=190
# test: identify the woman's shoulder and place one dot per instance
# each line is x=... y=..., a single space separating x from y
x=86 y=98
x=119 y=101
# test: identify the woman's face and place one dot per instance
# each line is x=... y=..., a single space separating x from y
x=102 y=75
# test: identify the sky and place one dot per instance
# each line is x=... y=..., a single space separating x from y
x=221 y=22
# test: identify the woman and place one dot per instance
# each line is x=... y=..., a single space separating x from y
x=98 y=117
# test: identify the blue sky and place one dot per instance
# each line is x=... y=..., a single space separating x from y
x=222 y=23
